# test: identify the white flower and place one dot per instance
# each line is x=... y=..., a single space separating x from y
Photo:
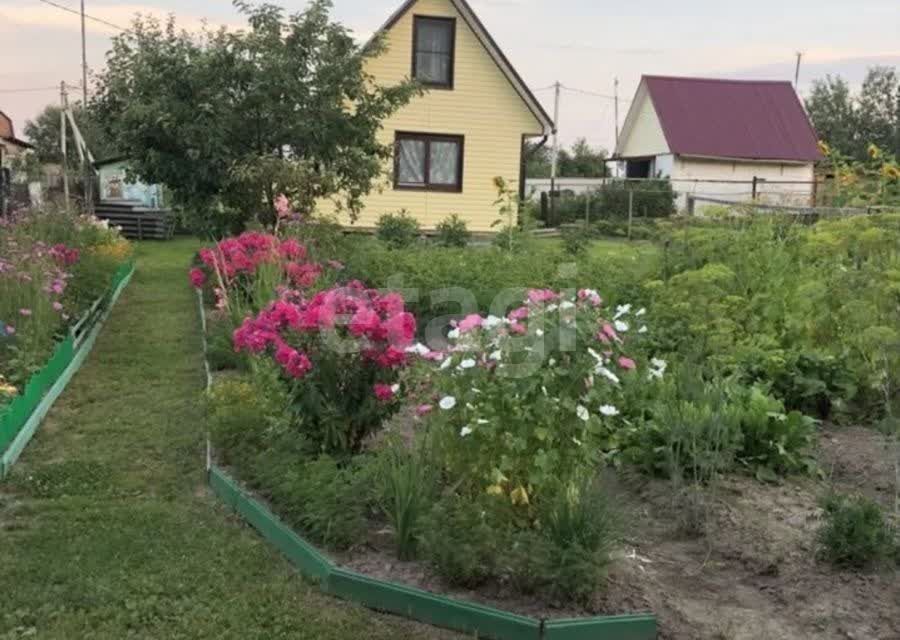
x=577 y=441
x=446 y=364
x=658 y=369
x=621 y=326
x=609 y=375
x=566 y=305
x=395 y=389
x=622 y=310
x=447 y=403
x=643 y=329
x=419 y=349
x=659 y=364
x=609 y=411
x=551 y=308
x=539 y=333
x=595 y=355
x=466 y=431
x=453 y=334
x=582 y=413
x=469 y=363
x=641 y=312
x=496 y=356
x=491 y=322
x=552 y=362
x=483 y=421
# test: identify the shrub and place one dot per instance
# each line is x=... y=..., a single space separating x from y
x=575 y=240
x=452 y=232
x=339 y=354
x=512 y=240
x=855 y=533
x=398 y=230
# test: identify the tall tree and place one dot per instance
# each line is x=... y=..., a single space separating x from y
x=833 y=113
x=583 y=161
x=878 y=109
x=228 y=120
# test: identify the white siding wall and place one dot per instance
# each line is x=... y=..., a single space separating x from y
x=686 y=169
x=642 y=134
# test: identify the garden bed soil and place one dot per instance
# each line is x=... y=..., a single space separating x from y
x=754 y=575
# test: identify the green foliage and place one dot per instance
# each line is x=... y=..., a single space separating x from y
x=568 y=556
x=575 y=240
x=461 y=540
x=855 y=533
x=398 y=230
x=43 y=132
x=652 y=199
x=237 y=120
x=452 y=232
x=406 y=489
x=323 y=237
x=582 y=161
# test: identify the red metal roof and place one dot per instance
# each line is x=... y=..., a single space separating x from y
x=748 y=119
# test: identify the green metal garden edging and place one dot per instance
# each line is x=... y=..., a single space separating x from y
x=412 y=603
x=21 y=418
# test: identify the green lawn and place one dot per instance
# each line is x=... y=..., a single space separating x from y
x=107 y=529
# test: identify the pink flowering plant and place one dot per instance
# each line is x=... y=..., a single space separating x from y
x=248 y=272
x=340 y=352
x=522 y=402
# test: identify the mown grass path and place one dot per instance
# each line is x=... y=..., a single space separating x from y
x=107 y=529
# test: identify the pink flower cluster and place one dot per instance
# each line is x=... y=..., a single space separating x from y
x=245 y=253
x=64 y=256
x=378 y=323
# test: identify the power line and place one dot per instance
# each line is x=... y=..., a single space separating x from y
x=78 y=13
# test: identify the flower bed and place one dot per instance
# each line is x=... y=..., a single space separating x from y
x=495 y=456
x=55 y=274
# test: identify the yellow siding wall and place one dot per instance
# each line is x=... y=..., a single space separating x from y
x=483 y=106
x=643 y=136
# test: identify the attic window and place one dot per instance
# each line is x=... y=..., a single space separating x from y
x=434 y=50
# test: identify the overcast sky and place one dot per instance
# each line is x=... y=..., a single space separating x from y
x=584 y=44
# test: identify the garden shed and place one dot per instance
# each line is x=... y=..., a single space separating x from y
x=140 y=209
x=721 y=138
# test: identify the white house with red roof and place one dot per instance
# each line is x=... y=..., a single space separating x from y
x=728 y=139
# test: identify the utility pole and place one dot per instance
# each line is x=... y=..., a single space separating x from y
x=64 y=105
x=797 y=72
x=86 y=168
x=616 y=101
x=554 y=165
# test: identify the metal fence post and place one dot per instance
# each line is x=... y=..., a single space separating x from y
x=630 y=210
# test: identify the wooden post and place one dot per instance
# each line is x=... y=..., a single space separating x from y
x=755 y=187
x=630 y=210
x=587 y=209
x=64 y=104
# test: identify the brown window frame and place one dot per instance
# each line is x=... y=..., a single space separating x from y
x=415 y=39
x=428 y=138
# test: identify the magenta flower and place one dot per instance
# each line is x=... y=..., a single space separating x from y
x=198 y=278
x=540 y=296
x=57 y=306
x=25 y=312
x=627 y=363
x=384 y=392
x=424 y=409
x=282 y=206
x=518 y=314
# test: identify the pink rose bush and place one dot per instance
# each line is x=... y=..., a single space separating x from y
x=341 y=351
x=537 y=397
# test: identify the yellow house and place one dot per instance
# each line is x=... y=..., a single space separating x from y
x=468 y=128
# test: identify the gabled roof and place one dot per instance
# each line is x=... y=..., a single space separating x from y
x=743 y=119
x=493 y=49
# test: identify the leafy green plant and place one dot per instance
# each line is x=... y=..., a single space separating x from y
x=452 y=232
x=567 y=557
x=398 y=230
x=575 y=240
x=461 y=538
x=855 y=533
x=406 y=489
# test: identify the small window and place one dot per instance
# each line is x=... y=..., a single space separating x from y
x=428 y=162
x=434 y=45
